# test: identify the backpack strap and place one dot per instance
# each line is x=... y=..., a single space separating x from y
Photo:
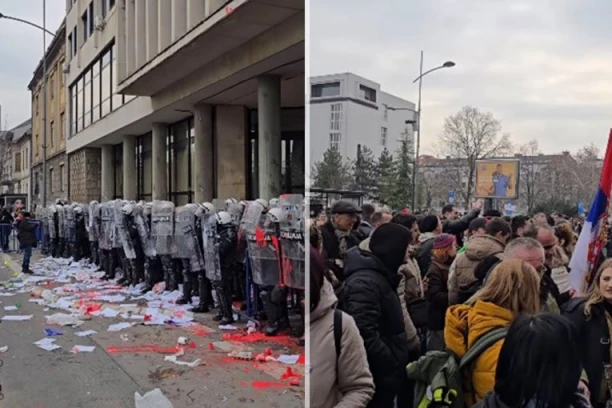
x=338 y=332
x=484 y=342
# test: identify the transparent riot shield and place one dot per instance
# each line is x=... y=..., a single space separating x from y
x=143 y=232
x=264 y=252
x=210 y=244
x=241 y=240
x=61 y=221
x=190 y=238
x=235 y=210
x=162 y=226
x=292 y=241
x=70 y=224
x=95 y=221
x=123 y=232
x=116 y=241
x=51 y=222
x=106 y=215
x=184 y=223
x=89 y=223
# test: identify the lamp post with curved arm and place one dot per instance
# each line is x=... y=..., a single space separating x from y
x=44 y=146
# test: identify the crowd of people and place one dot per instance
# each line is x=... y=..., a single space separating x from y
x=208 y=248
x=450 y=311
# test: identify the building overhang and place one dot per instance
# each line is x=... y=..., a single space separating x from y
x=225 y=30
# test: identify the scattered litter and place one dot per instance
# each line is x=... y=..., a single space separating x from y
x=227 y=327
x=47 y=344
x=174 y=359
x=224 y=399
x=3 y=349
x=82 y=349
x=125 y=337
x=7 y=294
x=108 y=312
x=251 y=330
x=17 y=318
x=152 y=399
x=182 y=341
x=10 y=307
x=17 y=305
x=119 y=326
x=37 y=301
x=85 y=333
x=53 y=332
x=62 y=319
x=288 y=359
x=241 y=355
x=144 y=348
x=159 y=287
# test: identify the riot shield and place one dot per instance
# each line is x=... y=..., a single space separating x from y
x=241 y=246
x=292 y=241
x=123 y=232
x=264 y=252
x=61 y=222
x=162 y=226
x=116 y=242
x=51 y=222
x=89 y=222
x=186 y=239
x=44 y=220
x=70 y=224
x=106 y=215
x=143 y=232
x=210 y=244
x=235 y=210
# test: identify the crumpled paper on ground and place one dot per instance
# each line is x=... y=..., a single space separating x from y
x=152 y=399
x=63 y=319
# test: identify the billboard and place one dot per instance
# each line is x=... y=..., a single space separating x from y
x=497 y=179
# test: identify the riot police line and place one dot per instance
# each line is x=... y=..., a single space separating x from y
x=220 y=251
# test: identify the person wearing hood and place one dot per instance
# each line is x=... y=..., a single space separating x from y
x=539 y=365
x=339 y=236
x=336 y=381
x=430 y=227
x=462 y=283
x=369 y=295
x=511 y=289
x=444 y=252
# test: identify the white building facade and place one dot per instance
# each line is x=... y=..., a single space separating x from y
x=184 y=100
x=347 y=110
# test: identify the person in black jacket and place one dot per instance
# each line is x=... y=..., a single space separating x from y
x=430 y=227
x=27 y=240
x=455 y=225
x=227 y=257
x=591 y=315
x=369 y=295
x=365 y=224
x=6 y=221
x=339 y=236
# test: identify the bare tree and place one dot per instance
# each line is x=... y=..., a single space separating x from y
x=530 y=183
x=472 y=135
x=588 y=170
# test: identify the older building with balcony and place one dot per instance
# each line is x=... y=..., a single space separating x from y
x=186 y=100
x=55 y=144
x=15 y=147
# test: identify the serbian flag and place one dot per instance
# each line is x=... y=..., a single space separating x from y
x=591 y=240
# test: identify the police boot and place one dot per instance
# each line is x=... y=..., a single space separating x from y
x=187 y=288
x=226 y=295
x=205 y=294
x=168 y=273
x=148 y=279
x=218 y=287
x=124 y=281
x=278 y=317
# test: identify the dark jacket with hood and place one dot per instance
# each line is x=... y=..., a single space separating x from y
x=227 y=248
x=331 y=248
x=26 y=234
x=458 y=227
x=437 y=295
x=364 y=230
x=369 y=295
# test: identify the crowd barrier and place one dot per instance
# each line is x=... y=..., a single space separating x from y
x=8 y=236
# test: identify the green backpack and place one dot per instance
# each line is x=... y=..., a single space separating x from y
x=442 y=379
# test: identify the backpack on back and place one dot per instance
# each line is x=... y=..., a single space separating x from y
x=443 y=380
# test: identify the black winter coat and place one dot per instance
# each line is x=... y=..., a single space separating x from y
x=369 y=295
x=458 y=227
x=437 y=295
x=364 y=230
x=594 y=341
x=331 y=248
x=227 y=248
x=26 y=234
x=423 y=255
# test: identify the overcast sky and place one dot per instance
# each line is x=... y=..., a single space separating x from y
x=542 y=67
x=21 y=49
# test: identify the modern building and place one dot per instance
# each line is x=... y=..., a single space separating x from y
x=186 y=100
x=15 y=147
x=55 y=144
x=347 y=110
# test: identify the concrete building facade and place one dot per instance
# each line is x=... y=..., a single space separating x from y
x=347 y=110
x=15 y=145
x=186 y=100
x=57 y=126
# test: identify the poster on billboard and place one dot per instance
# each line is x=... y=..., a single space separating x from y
x=497 y=179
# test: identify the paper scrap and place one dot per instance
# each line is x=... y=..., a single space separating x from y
x=10 y=307
x=82 y=349
x=17 y=318
x=37 y=301
x=3 y=349
x=108 y=312
x=288 y=359
x=118 y=327
x=63 y=319
x=227 y=327
x=85 y=333
x=47 y=344
x=53 y=332
x=6 y=294
x=173 y=359
x=151 y=399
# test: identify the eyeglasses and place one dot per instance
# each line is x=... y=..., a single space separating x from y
x=548 y=247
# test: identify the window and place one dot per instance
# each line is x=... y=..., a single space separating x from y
x=386 y=113
x=117 y=100
x=88 y=23
x=336 y=116
x=367 y=93
x=75 y=42
x=325 y=90
x=90 y=17
x=70 y=46
x=52 y=84
x=61 y=74
x=62 y=124
x=61 y=177
x=106 y=83
x=36 y=145
x=334 y=140
x=87 y=99
x=17 y=162
x=383 y=136
x=36 y=104
x=51 y=180
x=106 y=6
x=52 y=131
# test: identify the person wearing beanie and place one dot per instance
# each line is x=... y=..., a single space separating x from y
x=369 y=295
x=443 y=255
x=430 y=227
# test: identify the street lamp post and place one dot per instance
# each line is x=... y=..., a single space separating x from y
x=44 y=146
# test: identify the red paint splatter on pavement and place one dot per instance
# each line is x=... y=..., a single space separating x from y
x=268 y=384
x=285 y=341
x=301 y=359
x=211 y=346
x=144 y=348
x=289 y=374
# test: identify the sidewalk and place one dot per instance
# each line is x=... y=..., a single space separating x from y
x=13 y=260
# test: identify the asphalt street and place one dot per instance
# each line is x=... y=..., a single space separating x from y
x=36 y=378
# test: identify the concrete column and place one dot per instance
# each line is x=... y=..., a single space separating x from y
x=107 y=173
x=152 y=28
x=140 y=36
x=160 y=173
x=203 y=153
x=196 y=10
x=130 y=36
x=269 y=121
x=129 y=168
x=164 y=22
x=179 y=19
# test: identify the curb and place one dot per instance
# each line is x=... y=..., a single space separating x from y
x=8 y=261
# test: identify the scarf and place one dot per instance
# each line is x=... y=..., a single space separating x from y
x=342 y=240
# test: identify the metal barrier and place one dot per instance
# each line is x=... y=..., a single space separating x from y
x=8 y=236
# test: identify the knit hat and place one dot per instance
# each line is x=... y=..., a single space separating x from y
x=443 y=241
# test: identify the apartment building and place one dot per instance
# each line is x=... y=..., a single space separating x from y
x=186 y=100
x=15 y=146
